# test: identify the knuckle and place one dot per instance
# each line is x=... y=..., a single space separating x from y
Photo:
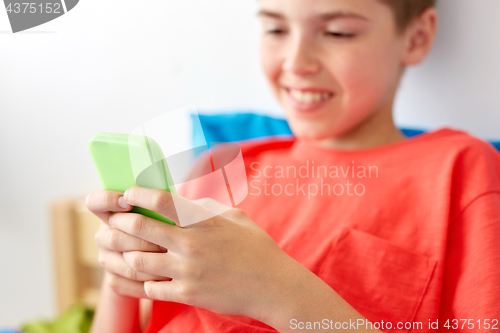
x=101 y=260
x=191 y=272
x=108 y=200
x=189 y=246
x=139 y=225
x=144 y=245
x=150 y=291
x=101 y=201
x=213 y=222
x=204 y=201
x=114 y=239
x=114 y=283
x=88 y=200
x=183 y=270
x=130 y=273
x=136 y=262
x=98 y=237
x=161 y=200
x=187 y=294
x=238 y=212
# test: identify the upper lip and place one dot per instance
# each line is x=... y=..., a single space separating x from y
x=309 y=89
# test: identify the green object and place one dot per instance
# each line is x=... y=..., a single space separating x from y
x=126 y=160
x=78 y=319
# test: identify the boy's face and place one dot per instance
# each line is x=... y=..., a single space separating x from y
x=332 y=64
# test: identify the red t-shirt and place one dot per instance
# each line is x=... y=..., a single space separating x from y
x=407 y=232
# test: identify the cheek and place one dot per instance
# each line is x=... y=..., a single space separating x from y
x=270 y=63
x=367 y=80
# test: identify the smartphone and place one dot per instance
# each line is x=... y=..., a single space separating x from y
x=126 y=160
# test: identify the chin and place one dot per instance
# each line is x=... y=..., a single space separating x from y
x=315 y=126
x=312 y=131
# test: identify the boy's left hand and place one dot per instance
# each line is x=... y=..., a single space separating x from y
x=226 y=264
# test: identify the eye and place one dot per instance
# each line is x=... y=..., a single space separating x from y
x=275 y=32
x=339 y=35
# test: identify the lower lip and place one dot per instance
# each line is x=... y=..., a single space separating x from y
x=306 y=107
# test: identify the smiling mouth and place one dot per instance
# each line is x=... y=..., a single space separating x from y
x=308 y=98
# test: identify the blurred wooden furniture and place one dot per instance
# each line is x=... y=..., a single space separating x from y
x=78 y=273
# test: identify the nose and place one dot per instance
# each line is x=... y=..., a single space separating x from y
x=300 y=57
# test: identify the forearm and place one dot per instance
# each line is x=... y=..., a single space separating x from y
x=116 y=313
x=305 y=298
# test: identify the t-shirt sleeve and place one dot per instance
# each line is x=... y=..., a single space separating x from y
x=471 y=284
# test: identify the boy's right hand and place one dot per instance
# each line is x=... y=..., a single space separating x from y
x=119 y=276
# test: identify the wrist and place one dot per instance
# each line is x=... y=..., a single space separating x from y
x=301 y=296
x=287 y=294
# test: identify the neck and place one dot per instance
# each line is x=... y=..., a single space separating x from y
x=377 y=130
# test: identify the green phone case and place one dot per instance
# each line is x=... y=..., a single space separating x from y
x=116 y=156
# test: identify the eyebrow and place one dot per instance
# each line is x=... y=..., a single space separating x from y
x=323 y=17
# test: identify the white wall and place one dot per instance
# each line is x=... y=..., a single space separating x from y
x=110 y=65
x=459 y=84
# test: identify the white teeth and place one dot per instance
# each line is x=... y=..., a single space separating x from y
x=309 y=97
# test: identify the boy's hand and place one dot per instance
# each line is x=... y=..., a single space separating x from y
x=112 y=243
x=226 y=264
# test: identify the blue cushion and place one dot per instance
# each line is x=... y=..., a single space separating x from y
x=231 y=127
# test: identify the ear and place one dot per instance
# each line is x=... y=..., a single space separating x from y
x=420 y=37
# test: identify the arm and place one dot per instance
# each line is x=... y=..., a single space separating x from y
x=115 y=312
x=471 y=286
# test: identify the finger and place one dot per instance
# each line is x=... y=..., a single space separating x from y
x=153 y=199
x=116 y=240
x=113 y=262
x=160 y=264
x=168 y=291
x=148 y=229
x=170 y=205
x=102 y=203
x=123 y=286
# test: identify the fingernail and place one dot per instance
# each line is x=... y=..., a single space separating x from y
x=164 y=250
x=123 y=203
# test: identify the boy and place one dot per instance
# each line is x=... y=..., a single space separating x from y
x=411 y=246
